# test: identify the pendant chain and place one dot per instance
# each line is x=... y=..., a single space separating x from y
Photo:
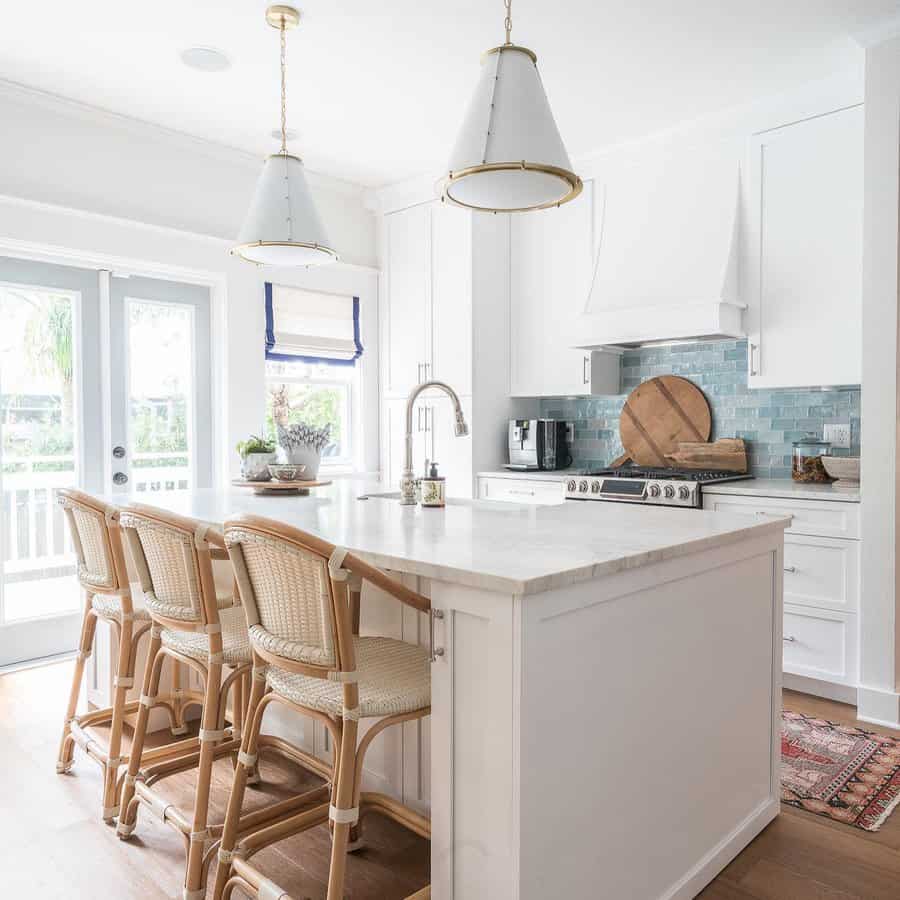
x=283 y=92
x=507 y=23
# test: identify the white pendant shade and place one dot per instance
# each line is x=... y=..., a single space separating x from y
x=282 y=226
x=509 y=156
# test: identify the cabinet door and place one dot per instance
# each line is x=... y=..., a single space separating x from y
x=407 y=312
x=550 y=261
x=451 y=296
x=453 y=454
x=804 y=287
x=394 y=440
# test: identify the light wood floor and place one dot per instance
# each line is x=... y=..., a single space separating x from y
x=55 y=846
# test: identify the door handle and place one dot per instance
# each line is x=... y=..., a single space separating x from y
x=754 y=370
x=120 y=478
x=584 y=370
x=419 y=378
x=118 y=452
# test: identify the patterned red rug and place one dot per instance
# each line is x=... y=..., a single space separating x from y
x=844 y=773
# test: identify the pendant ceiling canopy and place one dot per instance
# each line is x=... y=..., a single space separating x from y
x=282 y=226
x=509 y=156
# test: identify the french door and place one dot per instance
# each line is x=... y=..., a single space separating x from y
x=104 y=386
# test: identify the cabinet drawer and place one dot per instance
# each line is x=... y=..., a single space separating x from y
x=521 y=490
x=828 y=518
x=821 y=572
x=820 y=644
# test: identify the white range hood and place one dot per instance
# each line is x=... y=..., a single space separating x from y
x=666 y=264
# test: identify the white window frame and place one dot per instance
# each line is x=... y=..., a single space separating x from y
x=319 y=378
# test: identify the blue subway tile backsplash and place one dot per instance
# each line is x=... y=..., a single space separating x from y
x=768 y=419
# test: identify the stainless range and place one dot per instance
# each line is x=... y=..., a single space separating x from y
x=639 y=484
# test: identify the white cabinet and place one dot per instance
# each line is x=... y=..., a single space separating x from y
x=406 y=337
x=821 y=588
x=550 y=269
x=537 y=492
x=804 y=275
x=427 y=310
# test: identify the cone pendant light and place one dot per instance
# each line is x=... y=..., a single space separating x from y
x=509 y=156
x=282 y=226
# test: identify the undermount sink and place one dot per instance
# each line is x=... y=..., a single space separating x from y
x=395 y=495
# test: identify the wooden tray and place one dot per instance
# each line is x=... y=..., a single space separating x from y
x=279 y=487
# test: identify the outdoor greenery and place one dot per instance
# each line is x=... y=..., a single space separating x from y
x=314 y=405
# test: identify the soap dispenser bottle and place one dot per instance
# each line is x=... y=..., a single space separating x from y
x=433 y=488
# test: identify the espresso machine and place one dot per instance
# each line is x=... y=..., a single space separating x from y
x=538 y=444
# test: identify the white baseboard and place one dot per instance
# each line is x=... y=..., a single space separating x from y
x=841 y=693
x=878 y=706
x=724 y=852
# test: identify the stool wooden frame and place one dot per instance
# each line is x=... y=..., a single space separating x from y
x=347 y=804
x=145 y=529
x=102 y=574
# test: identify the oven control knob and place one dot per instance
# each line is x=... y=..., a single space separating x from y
x=582 y=486
x=654 y=490
x=669 y=491
x=684 y=492
x=595 y=487
x=571 y=485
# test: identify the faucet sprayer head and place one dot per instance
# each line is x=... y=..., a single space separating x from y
x=461 y=428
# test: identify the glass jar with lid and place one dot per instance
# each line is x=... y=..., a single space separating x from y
x=806 y=460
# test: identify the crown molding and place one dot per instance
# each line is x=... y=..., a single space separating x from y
x=878 y=33
x=59 y=254
x=24 y=95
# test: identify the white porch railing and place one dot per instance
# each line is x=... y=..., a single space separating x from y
x=34 y=539
x=34 y=534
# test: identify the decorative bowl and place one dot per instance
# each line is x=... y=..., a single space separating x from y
x=844 y=468
x=286 y=472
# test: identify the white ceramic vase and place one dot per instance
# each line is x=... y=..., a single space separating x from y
x=301 y=455
x=255 y=466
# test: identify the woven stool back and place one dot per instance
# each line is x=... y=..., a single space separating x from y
x=96 y=544
x=286 y=590
x=165 y=549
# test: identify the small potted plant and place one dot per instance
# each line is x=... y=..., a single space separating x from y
x=256 y=454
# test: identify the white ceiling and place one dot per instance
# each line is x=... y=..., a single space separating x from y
x=377 y=90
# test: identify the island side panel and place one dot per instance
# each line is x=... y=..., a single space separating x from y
x=650 y=725
x=474 y=745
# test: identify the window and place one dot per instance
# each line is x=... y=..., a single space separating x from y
x=312 y=345
x=315 y=395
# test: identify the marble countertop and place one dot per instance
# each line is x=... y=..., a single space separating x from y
x=753 y=487
x=533 y=474
x=785 y=488
x=500 y=546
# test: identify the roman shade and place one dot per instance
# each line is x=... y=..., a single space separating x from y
x=312 y=327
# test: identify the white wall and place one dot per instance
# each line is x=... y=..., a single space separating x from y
x=879 y=642
x=86 y=187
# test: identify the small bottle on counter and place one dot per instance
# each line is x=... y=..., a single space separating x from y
x=433 y=488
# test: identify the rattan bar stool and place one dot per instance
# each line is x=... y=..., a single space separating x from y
x=193 y=626
x=298 y=593
x=96 y=536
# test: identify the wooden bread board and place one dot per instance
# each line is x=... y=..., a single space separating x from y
x=728 y=454
x=658 y=415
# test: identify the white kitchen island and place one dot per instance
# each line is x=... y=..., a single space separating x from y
x=606 y=712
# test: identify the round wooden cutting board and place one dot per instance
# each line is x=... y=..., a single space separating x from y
x=658 y=414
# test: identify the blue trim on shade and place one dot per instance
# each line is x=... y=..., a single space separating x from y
x=314 y=360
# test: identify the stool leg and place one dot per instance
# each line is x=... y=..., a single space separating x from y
x=193 y=882
x=343 y=800
x=123 y=681
x=249 y=745
x=85 y=646
x=152 y=671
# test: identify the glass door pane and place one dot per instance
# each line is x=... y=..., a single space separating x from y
x=161 y=410
x=159 y=335
x=44 y=314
